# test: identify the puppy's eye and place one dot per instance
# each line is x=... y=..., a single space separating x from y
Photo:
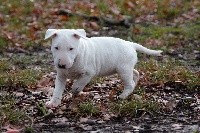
x=71 y=49
x=56 y=48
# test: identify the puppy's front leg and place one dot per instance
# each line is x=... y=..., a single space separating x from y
x=58 y=91
x=80 y=83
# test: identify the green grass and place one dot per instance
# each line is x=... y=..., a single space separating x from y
x=17 y=13
x=102 y=6
x=96 y=80
x=26 y=77
x=4 y=65
x=169 y=71
x=19 y=9
x=29 y=130
x=195 y=131
x=87 y=108
x=168 y=10
x=3 y=43
x=73 y=23
x=134 y=107
x=192 y=30
x=168 y=36
x=155 y=32
x=168 y=13
x=9 y=113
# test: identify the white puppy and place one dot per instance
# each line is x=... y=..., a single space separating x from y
x=80 y=59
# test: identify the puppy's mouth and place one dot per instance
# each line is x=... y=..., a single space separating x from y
x=64 y=66
x=61 y=66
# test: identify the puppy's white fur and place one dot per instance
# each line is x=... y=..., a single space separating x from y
x=80 y=59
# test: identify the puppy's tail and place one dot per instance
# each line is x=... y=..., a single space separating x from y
x=145 y=50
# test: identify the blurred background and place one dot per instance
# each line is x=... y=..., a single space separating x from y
x=158 y=23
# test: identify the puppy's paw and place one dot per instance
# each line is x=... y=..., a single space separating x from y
x=122 y=96
x=160 y=53
x=53 y=103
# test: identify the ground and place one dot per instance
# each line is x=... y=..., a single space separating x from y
x=167 y=98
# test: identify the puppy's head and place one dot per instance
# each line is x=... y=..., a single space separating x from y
x=65 y=43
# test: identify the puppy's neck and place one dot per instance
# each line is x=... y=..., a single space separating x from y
x=80 y=52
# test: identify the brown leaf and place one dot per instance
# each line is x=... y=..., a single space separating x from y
x=63 y=17
x=45 y=81
x=170 y=105
x=115 y=10
x=177 y=126
x=1 y=18
x=13 y=131
x=97 y=96
x=129 y=4
x=37 y=10
x=87 y=128
x=18 y=45
x=19 y=94
x=106 y=117
x=62 y=119
x=8 y=35
x=94 y=25
x=136 y=30
x=83 y=120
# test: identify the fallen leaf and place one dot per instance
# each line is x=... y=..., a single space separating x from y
x=115 y=10
x=177 y=126
x=60 y=120
x=45 y=81
x=13 y=131
x=10 y=130
x=46 y=90
x=87 y=128
x=19 y=94
x=170 y=105
x=1 y=18
x=83 y=120
x=63 y=17
x=106 y=117
x=94 y=25
x=97 y=96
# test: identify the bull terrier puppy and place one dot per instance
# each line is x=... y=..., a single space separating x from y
x=80 y=58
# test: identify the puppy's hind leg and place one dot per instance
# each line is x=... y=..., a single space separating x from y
x=135 y=76
x=126 y=75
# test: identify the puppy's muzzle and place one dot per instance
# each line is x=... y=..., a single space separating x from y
x=62 y=66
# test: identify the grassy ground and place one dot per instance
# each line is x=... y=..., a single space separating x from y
x=173 y=26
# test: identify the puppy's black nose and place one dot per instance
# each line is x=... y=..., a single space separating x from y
x=62 y=66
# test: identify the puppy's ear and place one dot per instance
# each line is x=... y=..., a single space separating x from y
x=50 y=33
x=80 y=33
